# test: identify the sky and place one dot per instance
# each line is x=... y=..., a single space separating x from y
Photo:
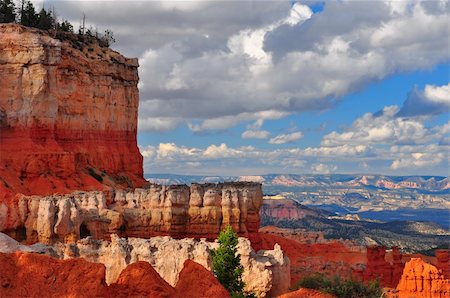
x=257 y=87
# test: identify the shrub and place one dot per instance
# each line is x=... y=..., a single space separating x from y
x=342 y=288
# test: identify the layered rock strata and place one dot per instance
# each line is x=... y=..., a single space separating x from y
x=68 y=115
x=266 y=273
x=198 y=211
x=422 y=280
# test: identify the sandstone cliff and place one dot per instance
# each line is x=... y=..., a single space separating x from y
x=177 y=210
x=266 y=273
x=68 y=116
x=422 y=280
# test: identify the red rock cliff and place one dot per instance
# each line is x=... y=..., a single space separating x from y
x=420 y=279
x=68 y=116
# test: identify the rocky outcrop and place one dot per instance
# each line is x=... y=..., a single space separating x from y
x=299 y=235
x=331 y=258
x=306 y=293
x=68 y=115
x=195 y=281
x=34 y=275
x=266 y=273
x=198 y=211
x=420 y=279
x=443 y=261
x=378 y=268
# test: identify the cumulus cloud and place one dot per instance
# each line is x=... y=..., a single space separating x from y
x=432 y=101
x=226 y=160
x=254 y=131
x=213 y=64
x=323 y=168
x=386 y=128
x=286 y=138
x=409 y=157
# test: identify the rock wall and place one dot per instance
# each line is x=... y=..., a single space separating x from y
x=35 y=275
x=198 y=211
x=378 y=268
x=422 y=280
x=266 y=273
x=68 y=115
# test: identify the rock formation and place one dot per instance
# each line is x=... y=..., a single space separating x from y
x=328 y=258
x=443 y=261
x=195 y=281
x=306 y=293
x=266 y=273
x=420 y=279
x=68 y=115
x=198 y=211
x=378 y=268
x=44 y=276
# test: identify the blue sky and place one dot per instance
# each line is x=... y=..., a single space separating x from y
x=254 y=87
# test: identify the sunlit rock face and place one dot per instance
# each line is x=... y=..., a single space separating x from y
x=196 y=211
x=420 y=279
x=68 y=115
x=266 y=273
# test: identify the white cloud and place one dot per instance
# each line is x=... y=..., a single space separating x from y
x=417 y=160
x=286 y=138
x=323 y=168
x=385 y=128
x=438 y=94
x=255 y=134
x=292 y=62
x=221 y=159
x=432 y=101
x=254 y=131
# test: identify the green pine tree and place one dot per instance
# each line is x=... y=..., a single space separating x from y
x=226 y=263
x=7 y=11
x=64 y=26
x=45 y=20
x=29 y=17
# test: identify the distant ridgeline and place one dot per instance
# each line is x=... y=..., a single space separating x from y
x=47 y=20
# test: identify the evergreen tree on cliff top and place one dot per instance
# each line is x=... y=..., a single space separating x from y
x=7 y=11
x=29 y=17
x=226 y=263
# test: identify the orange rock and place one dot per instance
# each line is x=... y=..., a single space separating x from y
x=378 y=268
x=306 y=293
x=34 y=275
x=443 y=261
x=306 y=259
x=195 y=281
x=140 y=280
x=422 y=280
x=68 y=117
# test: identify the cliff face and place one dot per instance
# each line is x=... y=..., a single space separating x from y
x=198 y=211
x=266 y=273
x=30 y=274
x=68 y=116
x=420 y=279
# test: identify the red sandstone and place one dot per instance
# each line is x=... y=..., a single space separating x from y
x=34 y=275
x=68 y=120
x=306 y=293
